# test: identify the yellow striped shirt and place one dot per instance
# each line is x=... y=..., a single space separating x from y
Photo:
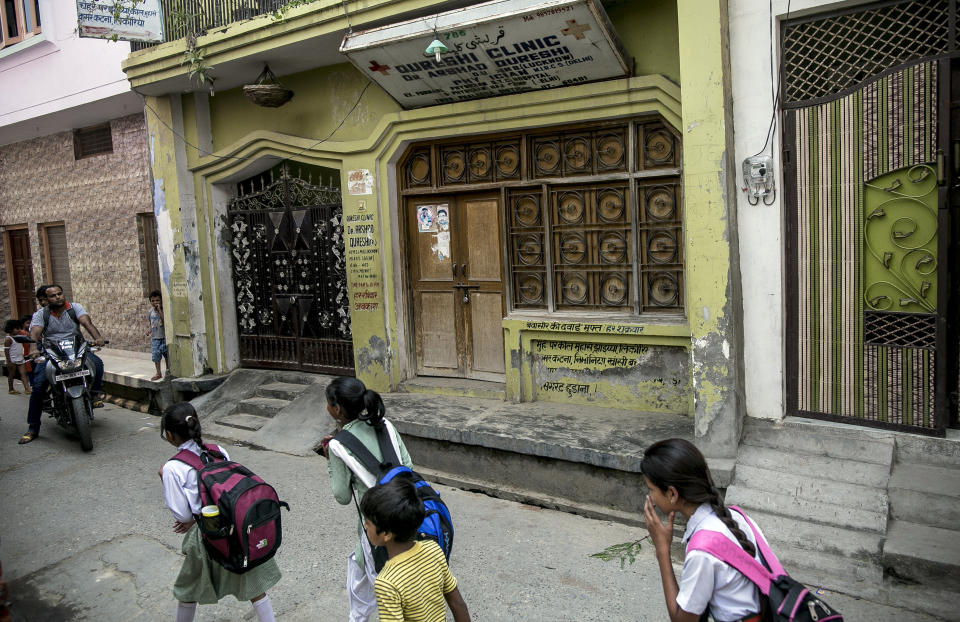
x=411 y=586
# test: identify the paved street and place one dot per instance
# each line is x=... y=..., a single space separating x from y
x=87 y=537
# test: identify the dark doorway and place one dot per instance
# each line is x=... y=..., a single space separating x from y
x=289 y=273
x=21 y=272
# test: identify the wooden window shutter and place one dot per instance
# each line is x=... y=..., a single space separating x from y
x=57 y=257
x=89 y=141
x=150 y=263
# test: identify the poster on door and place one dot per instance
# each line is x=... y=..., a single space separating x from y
x=427 y=218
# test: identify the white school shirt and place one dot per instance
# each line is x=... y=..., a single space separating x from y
x=705 y=580
x=181 y=490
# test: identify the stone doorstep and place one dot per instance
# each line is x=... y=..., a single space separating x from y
x=928 y=555
x=281 y=390
x=262 y=406
x=242 y=421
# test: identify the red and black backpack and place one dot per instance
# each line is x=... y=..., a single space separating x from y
x=249 y=532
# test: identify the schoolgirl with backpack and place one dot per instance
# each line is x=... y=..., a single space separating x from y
x=359 y=412
x=729 y=572
x=212 y=546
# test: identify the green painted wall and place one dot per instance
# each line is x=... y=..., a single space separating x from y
x=649 y=33
x=713 y=297
x=322 y=98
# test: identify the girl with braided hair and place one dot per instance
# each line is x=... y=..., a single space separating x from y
x=359 y=411
x=201 y=579
x=679 y=481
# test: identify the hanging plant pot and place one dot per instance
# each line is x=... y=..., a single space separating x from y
x=267 y=91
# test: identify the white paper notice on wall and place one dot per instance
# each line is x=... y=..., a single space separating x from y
x=360 y=181
x=109 y=19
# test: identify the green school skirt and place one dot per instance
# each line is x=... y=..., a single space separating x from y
x=202 y=580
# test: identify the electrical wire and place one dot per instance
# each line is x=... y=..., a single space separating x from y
x=346 y=14
x=245 y=158
x=775 y=94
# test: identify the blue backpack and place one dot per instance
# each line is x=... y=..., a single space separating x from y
x=438 y=525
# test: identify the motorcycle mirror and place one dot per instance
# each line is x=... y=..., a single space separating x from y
x=22 y=339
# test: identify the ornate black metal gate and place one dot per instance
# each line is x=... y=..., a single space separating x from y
x=290 y=277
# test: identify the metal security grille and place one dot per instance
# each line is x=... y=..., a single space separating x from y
x=828 y=55
x=289 y=276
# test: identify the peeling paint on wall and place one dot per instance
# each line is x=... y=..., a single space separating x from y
x=164 y=230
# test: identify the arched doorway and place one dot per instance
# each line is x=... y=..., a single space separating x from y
x=289 y=272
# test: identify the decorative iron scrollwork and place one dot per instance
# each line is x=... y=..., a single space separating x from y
x=901 y=235
x=290 y=276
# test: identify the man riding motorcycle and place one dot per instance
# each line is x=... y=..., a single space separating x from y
x=59 y=324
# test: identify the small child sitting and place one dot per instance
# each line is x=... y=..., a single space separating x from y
x=415 y=581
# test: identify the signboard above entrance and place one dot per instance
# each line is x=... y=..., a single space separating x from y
x=495 y=48
x=139 y=20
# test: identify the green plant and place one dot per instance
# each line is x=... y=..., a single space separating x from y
x=625 y=552
x=194 y=56
x=281 y=13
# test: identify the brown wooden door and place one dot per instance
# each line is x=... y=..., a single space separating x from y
x=456 y=272
x=22 y=270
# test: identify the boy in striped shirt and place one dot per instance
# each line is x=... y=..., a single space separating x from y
x=415 y=581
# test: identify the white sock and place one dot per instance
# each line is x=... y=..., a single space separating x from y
x=264 y=610
x=186 y=611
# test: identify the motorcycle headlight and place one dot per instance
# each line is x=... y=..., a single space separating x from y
x=70 y=365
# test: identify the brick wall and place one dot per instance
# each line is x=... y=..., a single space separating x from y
x=4 y=294
x=97 y=198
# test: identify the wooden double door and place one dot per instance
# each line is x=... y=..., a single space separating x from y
x=455 y=260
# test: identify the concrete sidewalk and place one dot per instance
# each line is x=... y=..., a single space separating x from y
x=129 y=369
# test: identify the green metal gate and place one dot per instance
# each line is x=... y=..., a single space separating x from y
x=866 y=239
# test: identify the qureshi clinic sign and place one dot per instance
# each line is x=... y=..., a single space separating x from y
x=495 y=48
x=142 y=22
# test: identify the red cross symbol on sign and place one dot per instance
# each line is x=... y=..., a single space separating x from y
x=575 y=29
x=383 y=69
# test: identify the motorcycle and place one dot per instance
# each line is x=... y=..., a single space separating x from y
x=70 y=374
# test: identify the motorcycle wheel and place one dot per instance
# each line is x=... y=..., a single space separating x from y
x=81 y=419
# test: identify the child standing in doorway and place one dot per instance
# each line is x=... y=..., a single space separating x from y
x=416 y=580
x=16 y=363
x=158 y=337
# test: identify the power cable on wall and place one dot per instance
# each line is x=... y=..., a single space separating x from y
x=758 y=175
x=246 y=158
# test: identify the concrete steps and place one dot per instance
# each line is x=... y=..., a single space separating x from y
x=281 y=390
x=922 y=549
x=871 y=513
x=820 y=495
x=254 y=412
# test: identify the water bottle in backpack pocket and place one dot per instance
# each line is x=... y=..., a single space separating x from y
x=249 y=527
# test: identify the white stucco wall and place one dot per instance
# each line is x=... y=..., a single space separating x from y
x=56 y=81
x=761 y=226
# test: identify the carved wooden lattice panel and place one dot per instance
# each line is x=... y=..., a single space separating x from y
x=593 y=263
x=661 y=244
x=527 y=248
x=582 y=244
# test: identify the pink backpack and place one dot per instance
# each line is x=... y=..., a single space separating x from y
x=788 y=600
x=249 y=532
